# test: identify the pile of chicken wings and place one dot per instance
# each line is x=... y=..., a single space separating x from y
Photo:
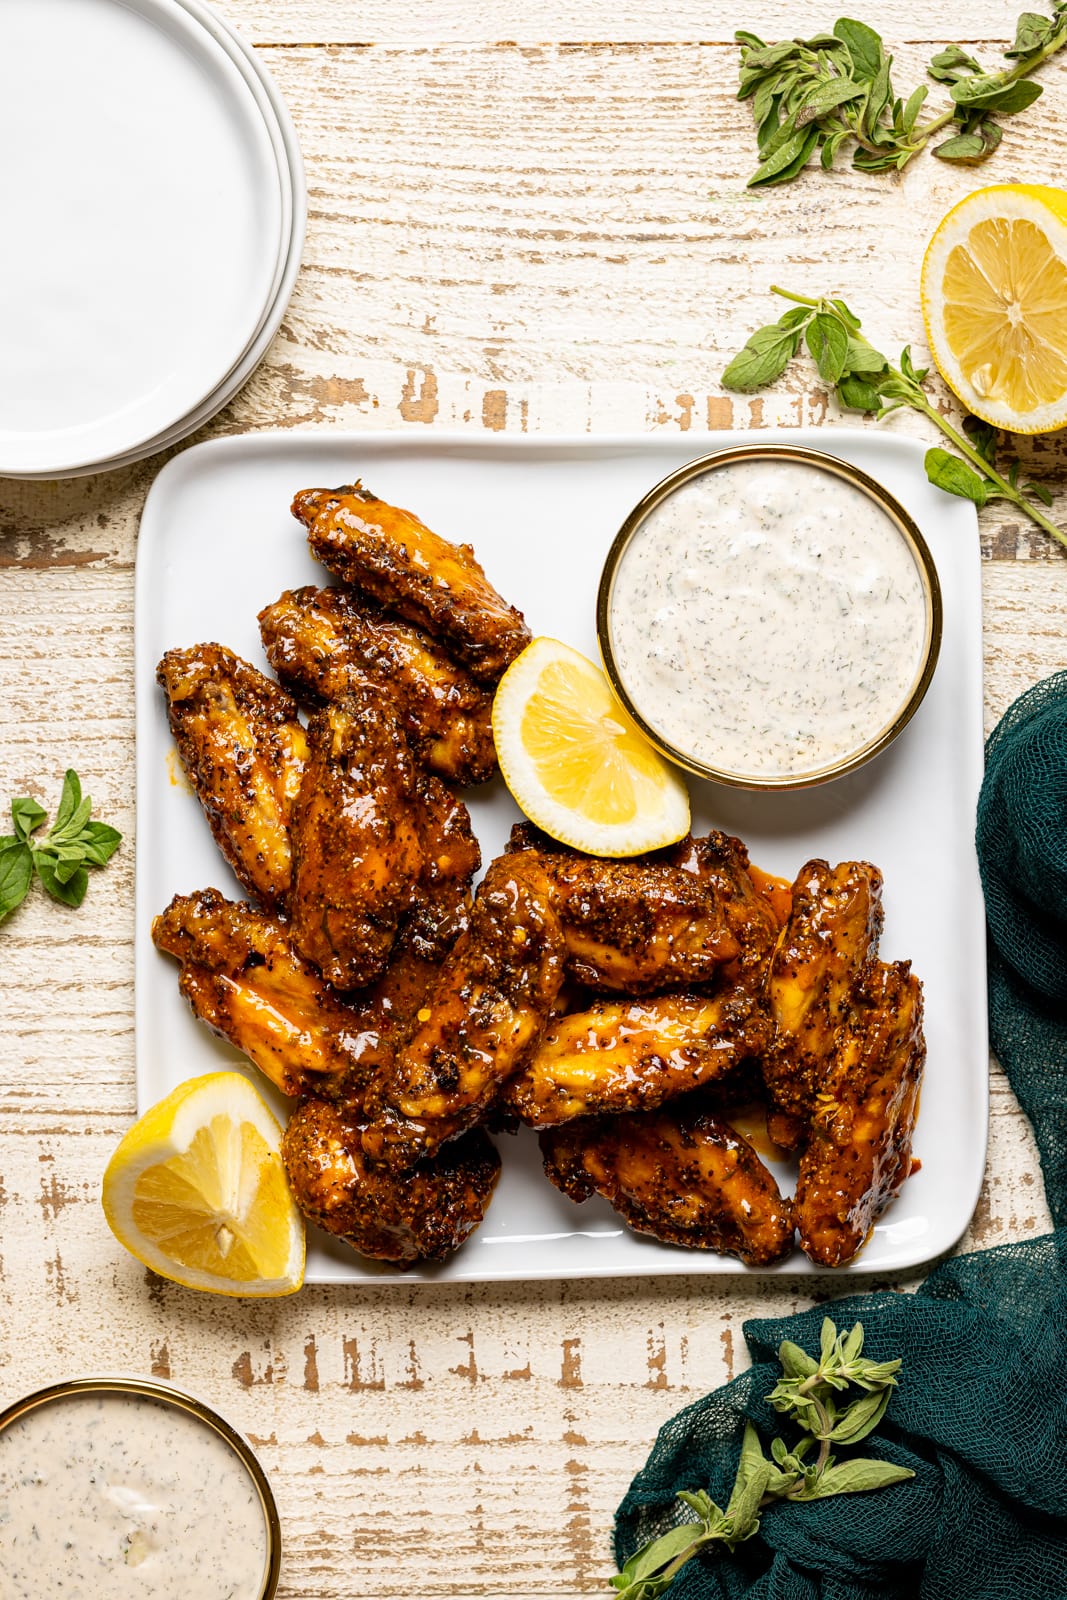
x=624 y=1009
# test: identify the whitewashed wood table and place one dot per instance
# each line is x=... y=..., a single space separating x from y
x=523 y=218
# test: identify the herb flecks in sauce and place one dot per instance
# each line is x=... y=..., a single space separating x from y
x=768 y=619
x=108 y=1497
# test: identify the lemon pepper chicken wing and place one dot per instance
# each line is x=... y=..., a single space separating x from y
x=244 y=750
x=630 y=1055
x=831 y=935
x=356 y=846
x=634 y=927
x=243 y=978
x=721 y=861
x=316 y=639
x=683 y=1176
x=858 y=1152
x=423 y=1214
x=393 y=557
x=450 y=858
x=480 y=1021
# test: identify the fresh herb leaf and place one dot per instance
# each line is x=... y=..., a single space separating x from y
x=99 y=843
x=16 y=873
x=61 y=857
x=828 y=342
x=864 y=46
x=816 y=96
x=855 y=394
x=71 y=891
x=948 y=472
x=855 y=1477
x=763 y=359
x=27 y=816
x=950 y=65
x=69 y=801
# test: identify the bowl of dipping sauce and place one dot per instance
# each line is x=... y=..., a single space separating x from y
x=122 y=1487
x=769 y=616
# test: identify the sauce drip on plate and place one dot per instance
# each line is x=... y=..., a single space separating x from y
x=768 y=619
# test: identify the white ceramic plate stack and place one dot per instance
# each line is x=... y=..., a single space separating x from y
x=154 y=206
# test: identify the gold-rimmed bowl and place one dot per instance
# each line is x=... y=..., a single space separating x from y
x=876 y=739
x=132 y=1387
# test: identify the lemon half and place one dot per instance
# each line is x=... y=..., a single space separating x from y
x=575 y=762
x=994 y=298
x=197 y=1191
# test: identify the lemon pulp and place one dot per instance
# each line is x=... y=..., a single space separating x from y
x=576 y=763
x=994 y=291
x=197 y=1191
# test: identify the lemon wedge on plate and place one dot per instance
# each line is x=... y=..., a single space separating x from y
x=575 y=762
x=994 y=298
x=197 y=1191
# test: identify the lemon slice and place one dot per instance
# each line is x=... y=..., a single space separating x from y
x=994 y=298
x=576 y=763
x=197 y=1191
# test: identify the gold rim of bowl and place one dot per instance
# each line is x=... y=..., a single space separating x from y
x=905 y=526
x=149 y=1389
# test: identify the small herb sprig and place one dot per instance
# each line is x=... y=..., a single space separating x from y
x=61 y=857
x=808 y=1394
x=812 y=96
x=863 y=380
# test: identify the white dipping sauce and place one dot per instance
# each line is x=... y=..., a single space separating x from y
x=768 y=619
x=104 y=1496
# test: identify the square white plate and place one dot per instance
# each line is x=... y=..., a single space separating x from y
x=218 y=543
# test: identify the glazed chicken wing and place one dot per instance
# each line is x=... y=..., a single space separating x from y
x=393 y=557
x=420 y=1215
x=242 y=977
x=482 y=1018
x=683 y=1176
x=858 y=1152
x=631 y=1055
x=831 y=935
x=721 y=862
x=450 y=858
x=316 y=639
x=244 y=751
x=633 y=927
x=357 y=855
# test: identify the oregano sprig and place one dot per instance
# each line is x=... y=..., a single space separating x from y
x=864 y=380
x=60 y=858
x=809 y=1394
x=813 y=96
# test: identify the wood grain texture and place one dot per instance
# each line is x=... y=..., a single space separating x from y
x=461 y=22
x=534 y=236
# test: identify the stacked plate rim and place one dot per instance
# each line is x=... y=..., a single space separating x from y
x=161 y=201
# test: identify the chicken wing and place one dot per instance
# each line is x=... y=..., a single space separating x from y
x=420 y=1215
x=392 y=556
x=483 y=1017
x=683 y=1176
x=633 y=927
x=631 y=1055
x=831 y=935
x=242 y=977
x=858 y=1152
x=721 y=862
x=315 y=639
x=244 y=751
x=357 y=856
x=450 y=858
